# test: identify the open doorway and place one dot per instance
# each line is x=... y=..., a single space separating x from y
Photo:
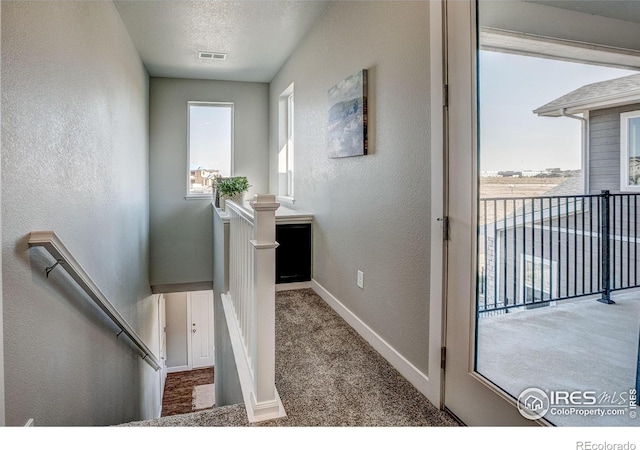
x=543 y=163
x=523 y=321
x=189 y=352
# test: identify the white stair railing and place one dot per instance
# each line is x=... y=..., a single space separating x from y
x=250 y=303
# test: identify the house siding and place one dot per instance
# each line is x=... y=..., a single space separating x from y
x=604 y=148
x=572 y=241
x=571 y=277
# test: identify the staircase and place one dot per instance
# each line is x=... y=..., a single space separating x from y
x=225 y=416
x=326 y=375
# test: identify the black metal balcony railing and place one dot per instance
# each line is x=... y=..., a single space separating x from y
x=533 y=251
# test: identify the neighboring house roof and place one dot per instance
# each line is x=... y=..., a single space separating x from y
x=604 y=94
x=571 y=186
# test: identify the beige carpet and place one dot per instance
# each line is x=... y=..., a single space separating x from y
x=327 y=376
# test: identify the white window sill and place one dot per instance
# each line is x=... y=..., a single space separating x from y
x=284 y=199
x=199 y=197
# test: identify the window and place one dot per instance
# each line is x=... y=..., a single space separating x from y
x=630 y=151
x=210 y=146
x=286 y=145
x=538 y=278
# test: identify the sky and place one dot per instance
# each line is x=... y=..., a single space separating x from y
x=210 y=138
x=511 y=87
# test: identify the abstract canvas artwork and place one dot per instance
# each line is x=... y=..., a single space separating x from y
x=347 y=132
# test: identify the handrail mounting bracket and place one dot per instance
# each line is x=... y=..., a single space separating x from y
x=49 y=269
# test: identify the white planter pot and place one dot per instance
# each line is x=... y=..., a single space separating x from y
x=238 y=198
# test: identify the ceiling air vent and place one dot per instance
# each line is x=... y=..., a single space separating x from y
x=212 y=55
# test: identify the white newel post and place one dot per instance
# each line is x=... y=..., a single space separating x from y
x=265 y=398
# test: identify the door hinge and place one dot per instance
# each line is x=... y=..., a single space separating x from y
x=445 y=227
x=445 y=95
x=443 y=357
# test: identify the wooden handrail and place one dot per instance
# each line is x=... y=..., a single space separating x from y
x=52 y=243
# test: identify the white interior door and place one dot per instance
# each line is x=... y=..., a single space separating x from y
x=468 y=395
x=201 y=328
x=162 y=338
x=162 y=326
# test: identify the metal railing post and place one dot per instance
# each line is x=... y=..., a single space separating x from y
x=605 y=198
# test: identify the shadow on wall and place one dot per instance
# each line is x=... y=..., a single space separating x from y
x=67 y=290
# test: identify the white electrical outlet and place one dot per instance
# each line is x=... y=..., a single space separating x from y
x=360 y=279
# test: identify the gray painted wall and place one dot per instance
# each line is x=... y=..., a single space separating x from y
x=371 y=212
x=176 y=305
x=74 y=160
x=604 y=148
x=2 y=415
x=181 y=230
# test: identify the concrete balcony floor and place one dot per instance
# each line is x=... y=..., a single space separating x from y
x=578 y=345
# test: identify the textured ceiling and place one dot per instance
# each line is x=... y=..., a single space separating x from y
x=258 y=36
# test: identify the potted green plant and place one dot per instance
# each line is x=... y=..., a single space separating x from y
x=232 y=188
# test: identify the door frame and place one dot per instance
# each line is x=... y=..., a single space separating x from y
x=434 y=389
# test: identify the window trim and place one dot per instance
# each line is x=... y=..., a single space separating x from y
x=624 y=151
x=290 y=143
x=231 y=105
x=286 y=138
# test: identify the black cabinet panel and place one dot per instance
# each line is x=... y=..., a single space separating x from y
x=293 y=256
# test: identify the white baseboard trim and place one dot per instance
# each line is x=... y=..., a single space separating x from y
x=292 y=286
x=256 y=412
x=417 y=378
x=177 y=369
